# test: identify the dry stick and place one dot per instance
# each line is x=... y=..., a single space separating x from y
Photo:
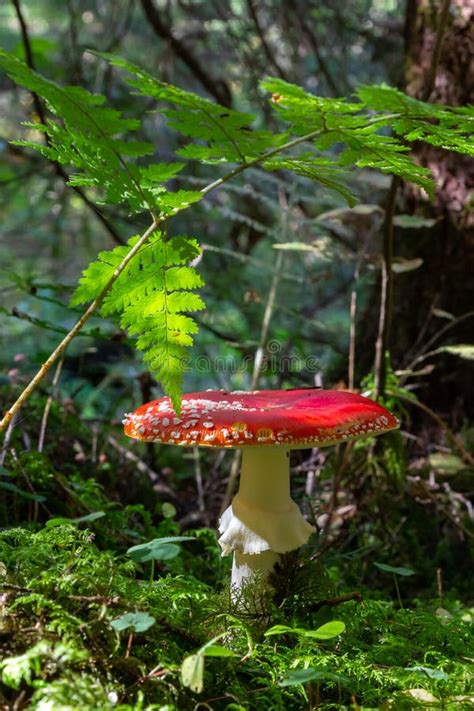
x=257 y=365
x=325 y=534
x=386 y=292
x=332 y=601
x=198 y=477
x=47 y=408
x=386 y=296
x=353 y=315
x=143 y=467
x=6 y=441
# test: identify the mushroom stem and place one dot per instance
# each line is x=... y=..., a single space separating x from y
x=263 y=521
x=265 y=478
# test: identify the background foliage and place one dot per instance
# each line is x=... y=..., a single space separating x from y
x=285 y=263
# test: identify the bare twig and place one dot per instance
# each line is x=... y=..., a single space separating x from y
x=386 y=292
x=435 y=337
x=268 y=53
x=332 y=601
x=257 y=366
x=6 y=441
x=158 y=485
x=431 y=79
x=325 y=536
x=386 y=297
x=198 y=477
x=353 y=316
x=216 y=88
x=300 y=15
x=49 y=401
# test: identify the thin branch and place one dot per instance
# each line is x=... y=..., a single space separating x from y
x=386 y=297
x=332 y=601
x=198 y=477
x=6 y=441
x=257 y=366
x=300 y=16
x=158 y=485
x=42 y=117
x=420 y=356
x=216 y=88
x=261 y=35
x=47 y=408
x=353 y=315
x=386 y=292
x=431 y=79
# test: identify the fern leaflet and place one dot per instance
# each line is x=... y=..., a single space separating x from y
x=151 y=298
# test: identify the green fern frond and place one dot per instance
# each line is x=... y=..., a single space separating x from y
x=87 y=136
x=314 y=168
x=228 y=133
x=151 y=298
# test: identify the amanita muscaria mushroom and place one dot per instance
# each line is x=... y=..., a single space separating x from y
x=262 y=521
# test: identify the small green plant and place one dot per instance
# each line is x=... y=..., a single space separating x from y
x=404 y=572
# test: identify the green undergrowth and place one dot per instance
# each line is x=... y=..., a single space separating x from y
x=107 y=602
x=84 y=625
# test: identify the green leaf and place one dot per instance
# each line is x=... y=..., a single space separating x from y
x=441 y=313
x=216 y=650
x=192 y=672
x=151 y=297
x=435 y=674
x=462 y=350
x=313 y=167
x=326 y=631
x=88 y=518
x=137 y=621
x=168 y=510
x=281 y=629
x=400 y=265
x=446 y=463
x=412 y=221
x=27 y=495
x=295 y=246
x=158 y=549
x=303 y=676
x=397 y=571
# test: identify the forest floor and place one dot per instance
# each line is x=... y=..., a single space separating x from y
x=89 y=623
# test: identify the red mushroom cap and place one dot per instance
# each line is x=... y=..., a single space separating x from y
x=293 y=418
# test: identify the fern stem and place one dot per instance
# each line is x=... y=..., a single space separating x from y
x=260 y=159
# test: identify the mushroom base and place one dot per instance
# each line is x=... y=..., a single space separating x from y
x=246 y=567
